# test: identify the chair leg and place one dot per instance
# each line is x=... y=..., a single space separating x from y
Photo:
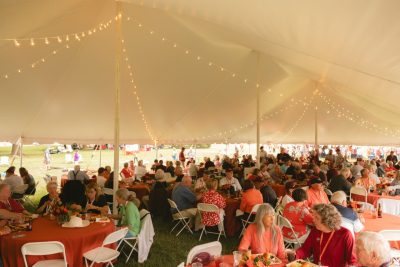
x=175 y=226
x=219 y=235
x=202 y=233
x=86 y=263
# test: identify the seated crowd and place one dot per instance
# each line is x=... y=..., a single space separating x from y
x=324 y=224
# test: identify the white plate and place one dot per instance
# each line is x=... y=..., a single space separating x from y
x=34 y=216
x=298 y=263
x=84 y=224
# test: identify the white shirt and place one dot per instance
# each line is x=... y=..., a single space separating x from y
x=356 y=170
x=13 y=181
x=101 y=180
x=374 y=177
x=234 y=182
x=192 y=170
x=140 y=171
x=80 y=175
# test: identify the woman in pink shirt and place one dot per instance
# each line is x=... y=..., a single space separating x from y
x=263 y=236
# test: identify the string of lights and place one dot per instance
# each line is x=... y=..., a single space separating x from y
x=344 y=113
x=61 y=38
x=68 y=42
x=136 y=94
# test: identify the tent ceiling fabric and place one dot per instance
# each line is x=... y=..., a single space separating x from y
x=341 y=56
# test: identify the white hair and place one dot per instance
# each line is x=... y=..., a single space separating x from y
x=159 y=174
x=374 y=242
x=265 y=209
x=338 y=197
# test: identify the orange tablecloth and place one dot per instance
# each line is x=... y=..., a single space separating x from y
x=387 y=222
x=229 y=260
x=279 y=189
x=141 y=190
x=77 y=241
x=231 y=223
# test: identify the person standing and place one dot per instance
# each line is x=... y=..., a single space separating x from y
x=47 y=159
x=182 y=158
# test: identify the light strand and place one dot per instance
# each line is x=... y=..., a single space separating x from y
x=41 y=60
x=342 y=112
x=196 y=57
x=60 y=38
x=136 y=94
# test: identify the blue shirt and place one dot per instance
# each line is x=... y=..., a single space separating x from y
x=184 y=197
x=346 y=212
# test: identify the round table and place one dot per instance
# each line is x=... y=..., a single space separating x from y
x=77 y=241
x=141 y=190
x=387 y=222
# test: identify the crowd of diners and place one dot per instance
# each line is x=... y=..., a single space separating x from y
x=316 y=217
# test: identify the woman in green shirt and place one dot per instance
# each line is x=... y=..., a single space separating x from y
x=128 y=215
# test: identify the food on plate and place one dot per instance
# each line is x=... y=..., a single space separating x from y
x=301 y=263
x=258 y=260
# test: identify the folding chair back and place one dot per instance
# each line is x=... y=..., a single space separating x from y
x=358 y=190
x=115 y=236
x=43 y=248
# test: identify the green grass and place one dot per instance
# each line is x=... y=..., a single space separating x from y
x=167 y=250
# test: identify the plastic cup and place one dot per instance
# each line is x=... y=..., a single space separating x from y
x=237 y=256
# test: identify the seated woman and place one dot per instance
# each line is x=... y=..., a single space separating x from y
x=29 y=180
x=9 y=204
x=95 y=201
x=289 y=187
x=328 y=239
x=128 y=215
x=250 y=197
x=212 y=197
x=298 y=214
x=73 y=195
x=49 y=202
x=263 y=236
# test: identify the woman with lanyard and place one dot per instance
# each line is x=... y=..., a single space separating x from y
x=328 y=243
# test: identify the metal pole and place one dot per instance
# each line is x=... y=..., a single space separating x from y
x=100 y=156
x=258 y=112
x=21 y=145
x=316 y=128
x=118 y=50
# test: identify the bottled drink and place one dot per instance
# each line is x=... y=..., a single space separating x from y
x=379 y=211
x=29 y=228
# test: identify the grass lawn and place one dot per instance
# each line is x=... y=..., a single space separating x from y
x=167 y=250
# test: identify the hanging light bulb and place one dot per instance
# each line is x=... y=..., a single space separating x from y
x=32 y=42
x=59 y=39
x=16 y=43
x=46 y=41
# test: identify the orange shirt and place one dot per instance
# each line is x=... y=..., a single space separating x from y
x=250 y=198
x=316 y=197
x=367 y=182
x=263 y=244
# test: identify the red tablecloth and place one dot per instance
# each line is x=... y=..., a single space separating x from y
x=387 y=222
x=77 y=241
x=279 y=189
x=228 y=259
x=373 y=198
x=231 y=223
x=141 y=190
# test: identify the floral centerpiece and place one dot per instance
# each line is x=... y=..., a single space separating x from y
x=64 y=213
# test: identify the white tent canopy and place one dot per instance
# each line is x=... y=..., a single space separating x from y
x=195 y=68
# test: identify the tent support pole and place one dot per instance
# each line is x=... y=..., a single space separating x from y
x=118 y=50
x=156 y=145
x=316 y=128
x=21 y=145
x=258 y=111
x=100 y=155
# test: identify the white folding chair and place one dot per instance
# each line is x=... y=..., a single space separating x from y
x=28 y=194
x=328 y=192
x=4 y=161
x=184 y=220
x=358 y=190
x=44 y=248
x=18 y=193
x=212 y=248
x=132 y=242
x=247 y=221
x=182 y=264
x=104 y=254
x=392 y=235
x=204 y=208
x=290 y=243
